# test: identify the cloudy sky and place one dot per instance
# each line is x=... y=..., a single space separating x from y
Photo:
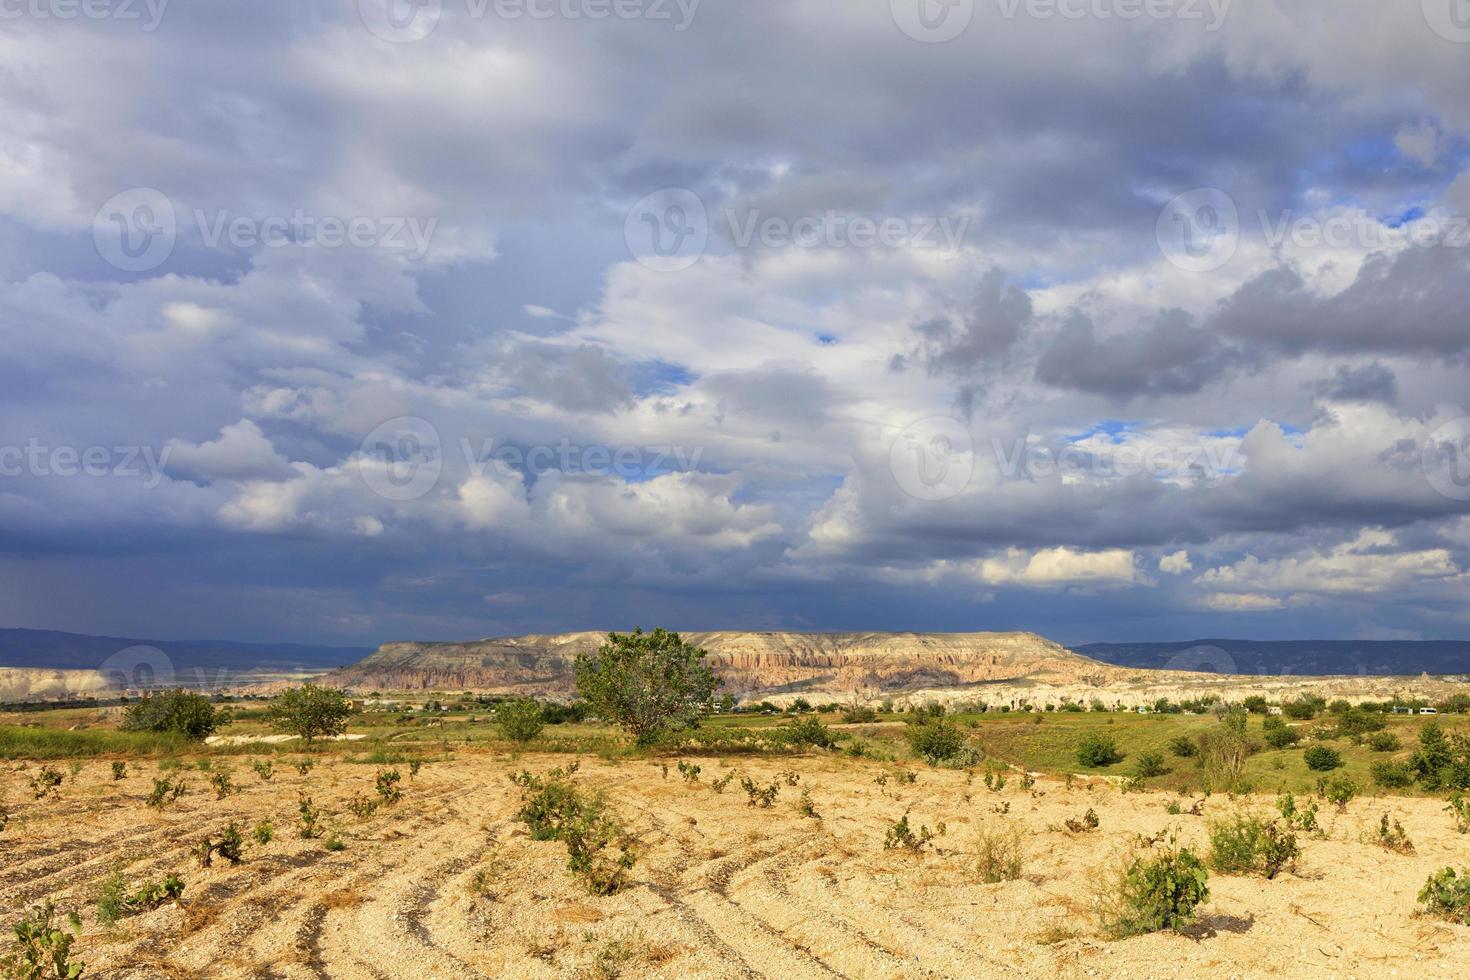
x=1110 y=319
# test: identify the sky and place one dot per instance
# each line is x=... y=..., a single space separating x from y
x=379 y=320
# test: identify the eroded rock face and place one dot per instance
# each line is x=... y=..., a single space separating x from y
x=748 y=662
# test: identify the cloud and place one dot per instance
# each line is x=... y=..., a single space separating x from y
x=242 y=452
x=1176 y=564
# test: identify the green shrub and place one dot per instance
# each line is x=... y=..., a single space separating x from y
x=1391 y=836
x=310 y=712
x=937 y=741
x=264 y=769
x=1299 y=819
x=757 y=795
x=310 y=819
x=40 y=949
x=1095 y=751
x=1154 y=891
x=901 y=835
x=554 y=809
x=1280 y=735
x=1000 y=853
x=1183 y=746
x=119 y=771
x=181 y=712
x=1391 y=775
x=520 y=720
x=1339 y=791
x=809 y=731
x=165 y=791
x=1081 y=825
x=1459 y=808
x=859 y=715
x=1383 y=742
x=1249 y=845
x=387 y=786
x=264 y=831
x=1150 y=764
x=1447 y=895
x=1320 y=758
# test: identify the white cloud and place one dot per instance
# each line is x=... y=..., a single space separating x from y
x=1176 y=564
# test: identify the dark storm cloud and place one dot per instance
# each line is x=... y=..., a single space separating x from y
x=983 y=331
x=1371 y=382
x=1170 y=356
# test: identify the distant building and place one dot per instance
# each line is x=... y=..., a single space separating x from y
x=1428 y=711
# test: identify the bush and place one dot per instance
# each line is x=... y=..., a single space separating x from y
x=1447 y=895
x=387 y=786
x=520 y=720
x=1095 y=751
x=1000 y=854
x=1224 y=748
x=1150 y=764
x=554 y=809
x=645 y=683
x=1383 y=742
x=1081 y=825
x=1391 y=775
x=119 y=771
x=46 y=782
x=181 y=712
x=1391 y=836
x=938 y=741
x=1279 y=734
x=809 y=731
x=1249 y=845
x=1356 y=721
x=1339 y=791
x=1154 y=891
x=901 y=835
x=859 y=715
x=40 y=949
x=310 y=711
x=1183 y=746
x=1320 y=758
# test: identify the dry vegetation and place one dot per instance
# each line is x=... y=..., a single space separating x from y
x=446 y=878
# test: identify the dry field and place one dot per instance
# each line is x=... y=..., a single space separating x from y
x=446 y=883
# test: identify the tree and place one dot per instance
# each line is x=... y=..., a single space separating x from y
x=519 y=720
x=310 y=711
x=189 y=714
x=1097 y=750
x=647 y=682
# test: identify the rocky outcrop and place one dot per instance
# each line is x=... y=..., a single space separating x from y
x=773 y=662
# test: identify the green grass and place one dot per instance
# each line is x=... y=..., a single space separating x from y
x=55 y=743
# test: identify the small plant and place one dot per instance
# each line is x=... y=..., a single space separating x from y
x=414 y=765
x=75 y=769
x=387 y=786
x=1249 y=845
x=1150 y=764
x=789 y=776
x=41 y=949
x=223 y=787
x=112 y=899
x=995 y=780
x=1321 y=758
x=264 y=768
x=1173 y=808
x=999 y=854
x=119 y=771
x=165 y=791
x=154 y=893
x=1028 y=781
x=805 y=806
x=1184 y=747
x=1001 y=808
x=689 y=770
x=1095 y=751
x=1459 y=809
x=334 y=842
x=718 y=785
x=901 y=835
x=1298 y=819
x=1447 y=895
x=310 y=819
x=1339 y=791
x=46 y=782
x=304 y=766
x=230 y=846
x=759 y=796
x=362 y=806
x=264 y=832
x=1083 y=824
x=1391 y=836
x=1154 y=891
x=1383 y=742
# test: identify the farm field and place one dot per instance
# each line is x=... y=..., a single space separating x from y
x=448 y=882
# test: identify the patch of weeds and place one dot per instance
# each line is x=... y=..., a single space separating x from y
x=1083 y=824
x=1153 y=891
x=1391 y=836
x=1000 y=853
x=1249 y=845
x=1446 y=895
x=334 y=842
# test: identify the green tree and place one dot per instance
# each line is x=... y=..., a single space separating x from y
x=310 y=711
x=189 y=714
x=520 y=720
x=647 y=682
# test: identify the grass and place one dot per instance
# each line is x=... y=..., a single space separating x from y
x=56 y=743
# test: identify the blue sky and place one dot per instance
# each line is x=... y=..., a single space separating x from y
x=735 y=315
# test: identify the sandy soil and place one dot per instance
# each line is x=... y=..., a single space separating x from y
x=447 y=884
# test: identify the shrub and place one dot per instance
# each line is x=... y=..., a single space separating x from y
x=310 y=818
x=387 y=786
x=40 y=949
x=1154 y=891
x=805 y=806
x=759 y=796
x=1000 y=853
x=1150 y=764
x=645 y=683
x=520 y=720
x=1095 y=751
x=995 y=780
x=1391 y=775
x=554 y=809
x=859 y=715
x=165 y=791
x=809 y=731
x=46 y=782
x=1356 y=721
x=1280 y=735
x=304 y=766
x=718 y=785
x=119 y=770
x=1320 y=758
x=1183 y=746
x=1081 y=825
x=1303 y=819
x=1383 y=742
x=1447 y=895
x=901 y=835
x=264 y=769
x=1249 y=845
x=1339 y=791
x=310 y=712
x=937 y=741
x=263 y=832
x=334 y=842
x=1224 y=748
x=1304 y=708
x=221 y=783
x=182 y=712
x=690 y=771
x=1391 y=836
x=230 y=846
x=361 y=806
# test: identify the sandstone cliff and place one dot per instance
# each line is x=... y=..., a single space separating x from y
x=832 y=663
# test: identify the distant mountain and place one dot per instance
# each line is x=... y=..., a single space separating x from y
x=130 y=662
x=1286 y=657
